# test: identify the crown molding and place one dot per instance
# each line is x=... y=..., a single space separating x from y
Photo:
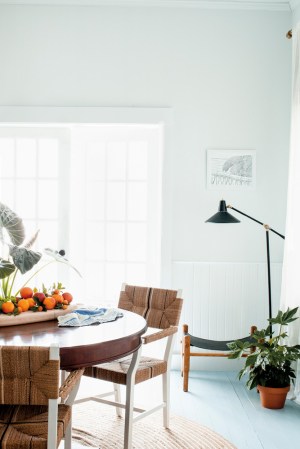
x=266 y=5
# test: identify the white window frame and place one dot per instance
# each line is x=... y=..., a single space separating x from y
x=61 y=115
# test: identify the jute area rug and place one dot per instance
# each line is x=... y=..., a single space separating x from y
x=98 y=426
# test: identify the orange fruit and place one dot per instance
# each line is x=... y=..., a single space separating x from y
x=8 y=307
x=49 y=303
x=64 y=307
x=56 y=292
x=40 y=308
x=20 y=310
x=26 y=292
x=58 y=298
x=24 y=304
x=31 y=302
x=67 y=296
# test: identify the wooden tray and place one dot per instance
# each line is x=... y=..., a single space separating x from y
x=34 y=317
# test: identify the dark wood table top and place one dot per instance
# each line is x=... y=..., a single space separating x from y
x=81 y=346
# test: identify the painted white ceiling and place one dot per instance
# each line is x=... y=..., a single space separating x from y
x=275 y=5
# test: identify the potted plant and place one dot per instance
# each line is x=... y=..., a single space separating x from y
x=269 y=361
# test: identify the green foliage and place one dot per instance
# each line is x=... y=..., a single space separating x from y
x=270 y=363
x=19 y=257
x=55 y=286
x=6 y=268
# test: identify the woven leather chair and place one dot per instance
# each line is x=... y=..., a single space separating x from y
x=161 y=308
x=30 y=414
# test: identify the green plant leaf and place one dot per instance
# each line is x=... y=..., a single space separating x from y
x=260 y=334
x=241 y=373
x=13 y=225
x=289 y=315
x=235 y=355
x=272 y=363
x=24 y=259
x=6 y=268
x=251 y=359
x=284 y=318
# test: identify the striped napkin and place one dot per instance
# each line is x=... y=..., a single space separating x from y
x=89 y=315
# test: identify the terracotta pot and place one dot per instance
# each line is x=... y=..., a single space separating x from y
x=273 y=397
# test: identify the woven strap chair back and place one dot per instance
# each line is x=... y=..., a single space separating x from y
x=160 y=307
x=27 y=376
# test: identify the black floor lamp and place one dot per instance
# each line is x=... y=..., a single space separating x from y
x=222 y=216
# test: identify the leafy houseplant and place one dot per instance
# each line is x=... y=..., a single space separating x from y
x=269 y=360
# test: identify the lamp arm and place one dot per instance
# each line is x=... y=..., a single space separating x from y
x=267 y=227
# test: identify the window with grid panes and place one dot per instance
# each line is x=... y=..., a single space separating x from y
x=30 y=161
x=94 y=191
x=116 y=188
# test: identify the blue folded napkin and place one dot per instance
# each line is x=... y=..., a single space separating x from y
x=92 y=310
x=89 y=315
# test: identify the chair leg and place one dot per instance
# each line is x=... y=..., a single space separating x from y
x=182 y=350
x=185 y=330
x=117 y=393
x=52 y=423
x=130 y=381
x=68 y=436
x=186 y=361
x=166 y=399
x=182 y=354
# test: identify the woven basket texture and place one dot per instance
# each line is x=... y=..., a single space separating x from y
x=116 y=371
x=28 y=379
x=160 y=307
x=27 y=376
x=23 y=427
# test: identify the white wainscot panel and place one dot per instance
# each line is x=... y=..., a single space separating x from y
x=222 y=301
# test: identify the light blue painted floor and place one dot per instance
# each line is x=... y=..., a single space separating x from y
x=218 y=400
x=221 y=402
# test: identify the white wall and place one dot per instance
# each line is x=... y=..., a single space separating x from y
x=296 y=13
x=226 y=74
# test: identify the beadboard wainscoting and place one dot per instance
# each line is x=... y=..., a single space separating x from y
x=222 y=301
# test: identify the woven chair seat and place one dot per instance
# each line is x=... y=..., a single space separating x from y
x=116 y=371
x=26 y=427
x=161 y=309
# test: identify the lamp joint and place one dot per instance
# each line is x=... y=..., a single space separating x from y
x=267 y=227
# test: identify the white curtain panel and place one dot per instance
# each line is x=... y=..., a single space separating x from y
x=290 y=293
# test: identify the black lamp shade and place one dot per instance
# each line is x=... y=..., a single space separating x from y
x=222 y=216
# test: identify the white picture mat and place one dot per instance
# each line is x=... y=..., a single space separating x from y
x=231 y=169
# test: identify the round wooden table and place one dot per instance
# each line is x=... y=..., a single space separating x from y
x=81 y=346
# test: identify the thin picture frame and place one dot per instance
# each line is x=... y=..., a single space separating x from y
x=231 y=169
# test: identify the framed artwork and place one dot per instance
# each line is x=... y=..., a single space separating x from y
x=231 y=169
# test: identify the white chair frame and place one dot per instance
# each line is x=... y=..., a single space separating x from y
x=130 y=382
x=53 y=410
